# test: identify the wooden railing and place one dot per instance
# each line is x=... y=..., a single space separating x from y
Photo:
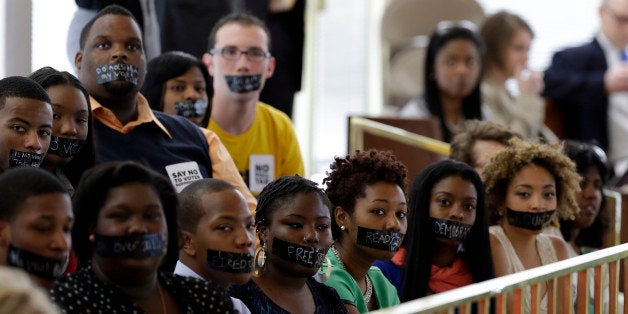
x=360 y=125
x=505 y=293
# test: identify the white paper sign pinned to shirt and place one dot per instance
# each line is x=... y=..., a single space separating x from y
x=182 y=174
x=261 y=171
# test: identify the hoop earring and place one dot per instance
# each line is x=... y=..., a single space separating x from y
x=259 y=264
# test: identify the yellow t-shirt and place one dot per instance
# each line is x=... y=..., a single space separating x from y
x=266 y=151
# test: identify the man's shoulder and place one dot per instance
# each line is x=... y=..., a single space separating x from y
x=168 y=118
x=268 y=113
x=176 y=123
x=586 y=48
x=272 y=111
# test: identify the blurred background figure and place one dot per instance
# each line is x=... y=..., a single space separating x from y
x=508 y=38
x=589 y=85
x=479 y=141
x=453 y=68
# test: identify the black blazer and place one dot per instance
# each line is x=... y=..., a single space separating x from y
x=575 y=83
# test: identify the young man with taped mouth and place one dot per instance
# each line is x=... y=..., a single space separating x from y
x=35 y=222
x=218 y=235
x=260 y=138
x=26 y=122
x=111 y=64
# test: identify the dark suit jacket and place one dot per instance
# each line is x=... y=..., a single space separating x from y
x=575 y=83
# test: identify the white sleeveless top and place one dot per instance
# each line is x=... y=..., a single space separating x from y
x=546 y=251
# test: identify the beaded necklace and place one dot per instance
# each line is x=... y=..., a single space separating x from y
x=369 y=286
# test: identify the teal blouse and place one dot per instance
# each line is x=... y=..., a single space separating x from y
x=349 y=291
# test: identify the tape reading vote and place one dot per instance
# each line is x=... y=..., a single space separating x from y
x=379 y=239
x=529 y=220
x=132 y=246
x=24 y=159
x=311 y=257
x=117 y=72
x=244 y=83
x=450 y=230
x=191 y=108
x=230 y=262
x=64 y=147
x=36 y=264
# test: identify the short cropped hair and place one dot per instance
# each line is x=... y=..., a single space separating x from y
x=92 y=192
x=461 y=148
x=506 y=163
x=350 y=175
x=280 y=192
x=112 y=9
x=21 y=87
x=18 y=184
x=190 y=207
x=241 y=18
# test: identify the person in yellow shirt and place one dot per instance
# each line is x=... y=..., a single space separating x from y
x=260 y=138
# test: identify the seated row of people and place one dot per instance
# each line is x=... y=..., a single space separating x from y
x=125 y=228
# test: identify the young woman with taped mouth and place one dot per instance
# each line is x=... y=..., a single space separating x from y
x=125 y=225
x=218 y=233
x=71 y=149
x=447 y=244
x=293 y=225
x=367 y=190
x=527 y=186
x=178 y=83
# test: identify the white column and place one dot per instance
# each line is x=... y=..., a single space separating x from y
x=16 y=31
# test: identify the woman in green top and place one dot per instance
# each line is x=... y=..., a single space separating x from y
x=367 y=190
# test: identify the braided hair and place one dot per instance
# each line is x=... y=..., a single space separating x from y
x=280 y=192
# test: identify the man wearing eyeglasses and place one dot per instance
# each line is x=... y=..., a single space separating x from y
x=260 y=138
x=589 y=84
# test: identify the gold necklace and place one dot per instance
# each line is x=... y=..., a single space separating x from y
x=369 y=286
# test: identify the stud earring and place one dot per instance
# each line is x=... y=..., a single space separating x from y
x=343 y=228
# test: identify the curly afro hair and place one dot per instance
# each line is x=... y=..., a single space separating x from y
x=503 y=167
x=350 y=176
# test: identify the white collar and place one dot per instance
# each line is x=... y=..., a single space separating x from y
x=185 y=271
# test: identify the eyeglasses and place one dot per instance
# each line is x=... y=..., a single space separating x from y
x=232 y=54
x=444 y=27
